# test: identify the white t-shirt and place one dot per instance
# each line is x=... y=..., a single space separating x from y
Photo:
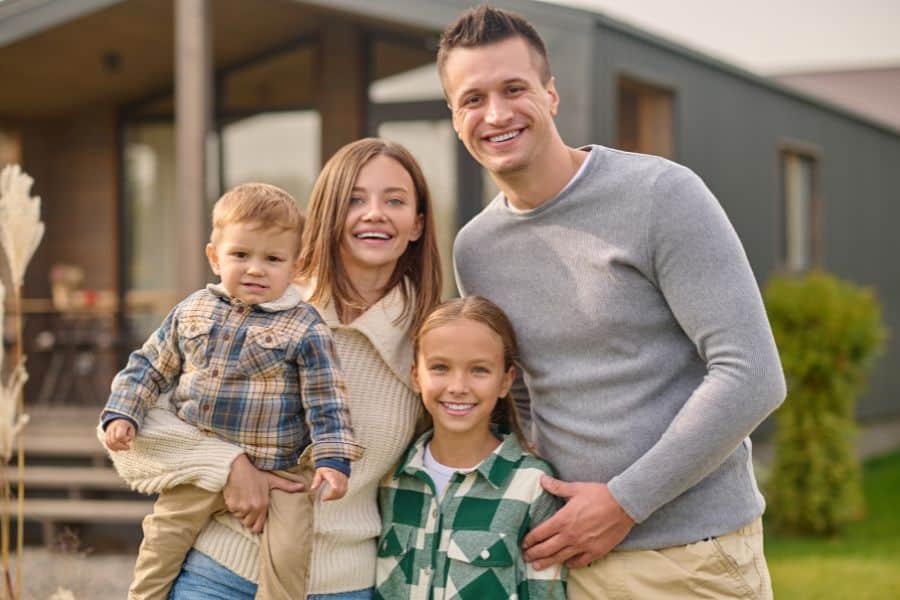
x=440 y=474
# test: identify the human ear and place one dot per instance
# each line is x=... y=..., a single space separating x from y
x=213 y=258
x=554 y=96
x=413 y=375
x=507 y=382
x=418 y=228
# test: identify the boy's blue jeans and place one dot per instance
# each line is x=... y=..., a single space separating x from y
x=202 y=578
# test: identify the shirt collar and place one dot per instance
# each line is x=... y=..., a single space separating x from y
x=391 y=341
x=496 y=468
x=288 y=300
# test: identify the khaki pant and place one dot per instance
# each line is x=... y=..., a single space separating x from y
x=729 y=566
x=181 y=512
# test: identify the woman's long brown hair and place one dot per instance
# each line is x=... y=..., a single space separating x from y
x=320 y=263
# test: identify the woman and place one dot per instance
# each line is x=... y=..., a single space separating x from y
x=370 y=265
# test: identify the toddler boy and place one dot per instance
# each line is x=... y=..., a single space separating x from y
x=249 y=361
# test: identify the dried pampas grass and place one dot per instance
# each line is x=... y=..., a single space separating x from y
x=21 y=228
x=21 y=231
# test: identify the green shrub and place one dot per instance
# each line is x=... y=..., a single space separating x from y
x=828 y=333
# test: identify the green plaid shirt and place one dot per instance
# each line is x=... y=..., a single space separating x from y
x=465 y=544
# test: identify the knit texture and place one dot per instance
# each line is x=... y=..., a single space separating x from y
x=375 y=355
x=644 y=341
x=169 y=452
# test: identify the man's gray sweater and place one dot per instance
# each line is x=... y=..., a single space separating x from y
x=645 y=345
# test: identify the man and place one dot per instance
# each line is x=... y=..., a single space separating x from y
x=645 y=345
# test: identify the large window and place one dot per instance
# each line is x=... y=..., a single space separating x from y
x=645 y=118
x=266 y=131
x=281 y=148
x=151 y=210
x=407 y=106
x=799 y=239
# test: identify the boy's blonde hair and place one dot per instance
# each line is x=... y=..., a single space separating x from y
x=263 y=205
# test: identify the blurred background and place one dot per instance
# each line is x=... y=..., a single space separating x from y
x=134 y=115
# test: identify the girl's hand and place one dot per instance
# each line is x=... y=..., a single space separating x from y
x=247 y=492
x=337 y=483
x=120 y=435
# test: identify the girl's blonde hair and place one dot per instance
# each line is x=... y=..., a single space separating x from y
x=481 y=310
x=320 y=263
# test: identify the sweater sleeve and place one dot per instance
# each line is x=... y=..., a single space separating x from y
x=700 y=267
x=169 y=452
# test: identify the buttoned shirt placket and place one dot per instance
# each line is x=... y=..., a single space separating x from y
x=236 y=314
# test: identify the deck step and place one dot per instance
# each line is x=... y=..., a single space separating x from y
x=64 y=445
x=85 y=511
x=71 y=478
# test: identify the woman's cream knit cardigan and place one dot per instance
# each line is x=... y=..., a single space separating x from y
x=375 y=356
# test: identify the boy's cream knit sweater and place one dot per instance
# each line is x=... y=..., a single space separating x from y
x=375 y=356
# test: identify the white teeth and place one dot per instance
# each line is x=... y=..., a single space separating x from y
x=503 y=137
x=373 y=235
x=458 y=406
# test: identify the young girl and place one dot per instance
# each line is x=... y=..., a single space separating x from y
x=467 y=491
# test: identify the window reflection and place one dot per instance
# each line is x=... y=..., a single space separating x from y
x=151 y=237
x=433 y=143
x=278 y=148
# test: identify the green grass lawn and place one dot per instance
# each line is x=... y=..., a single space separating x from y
x=862 y=563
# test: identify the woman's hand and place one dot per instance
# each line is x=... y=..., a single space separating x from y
x=247 y=492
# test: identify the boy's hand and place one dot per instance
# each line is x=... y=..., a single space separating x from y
x=337 y=483
x=120 y=435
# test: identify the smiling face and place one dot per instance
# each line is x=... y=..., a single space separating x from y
x=459 y=370
x=501 y=110
x=255 y=264
x=382 y=219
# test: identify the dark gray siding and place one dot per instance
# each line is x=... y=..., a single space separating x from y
x=728 y=128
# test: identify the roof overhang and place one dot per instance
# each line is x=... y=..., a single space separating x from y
x=20 y=19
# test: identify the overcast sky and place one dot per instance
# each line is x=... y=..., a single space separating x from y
x=768 y=36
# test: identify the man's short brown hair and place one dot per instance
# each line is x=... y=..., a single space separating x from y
x=484 y=25
x=263 y=205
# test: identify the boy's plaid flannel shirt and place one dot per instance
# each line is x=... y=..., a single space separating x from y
x=466 y=543
x=265 y=377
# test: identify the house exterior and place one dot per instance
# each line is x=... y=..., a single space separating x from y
x=133 y=115
x=873 y=92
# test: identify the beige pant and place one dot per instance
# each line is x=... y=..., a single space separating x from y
x=181 y=512
x=729 y=566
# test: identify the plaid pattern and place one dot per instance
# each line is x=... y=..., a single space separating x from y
x=264 y=377
x=465 y=544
